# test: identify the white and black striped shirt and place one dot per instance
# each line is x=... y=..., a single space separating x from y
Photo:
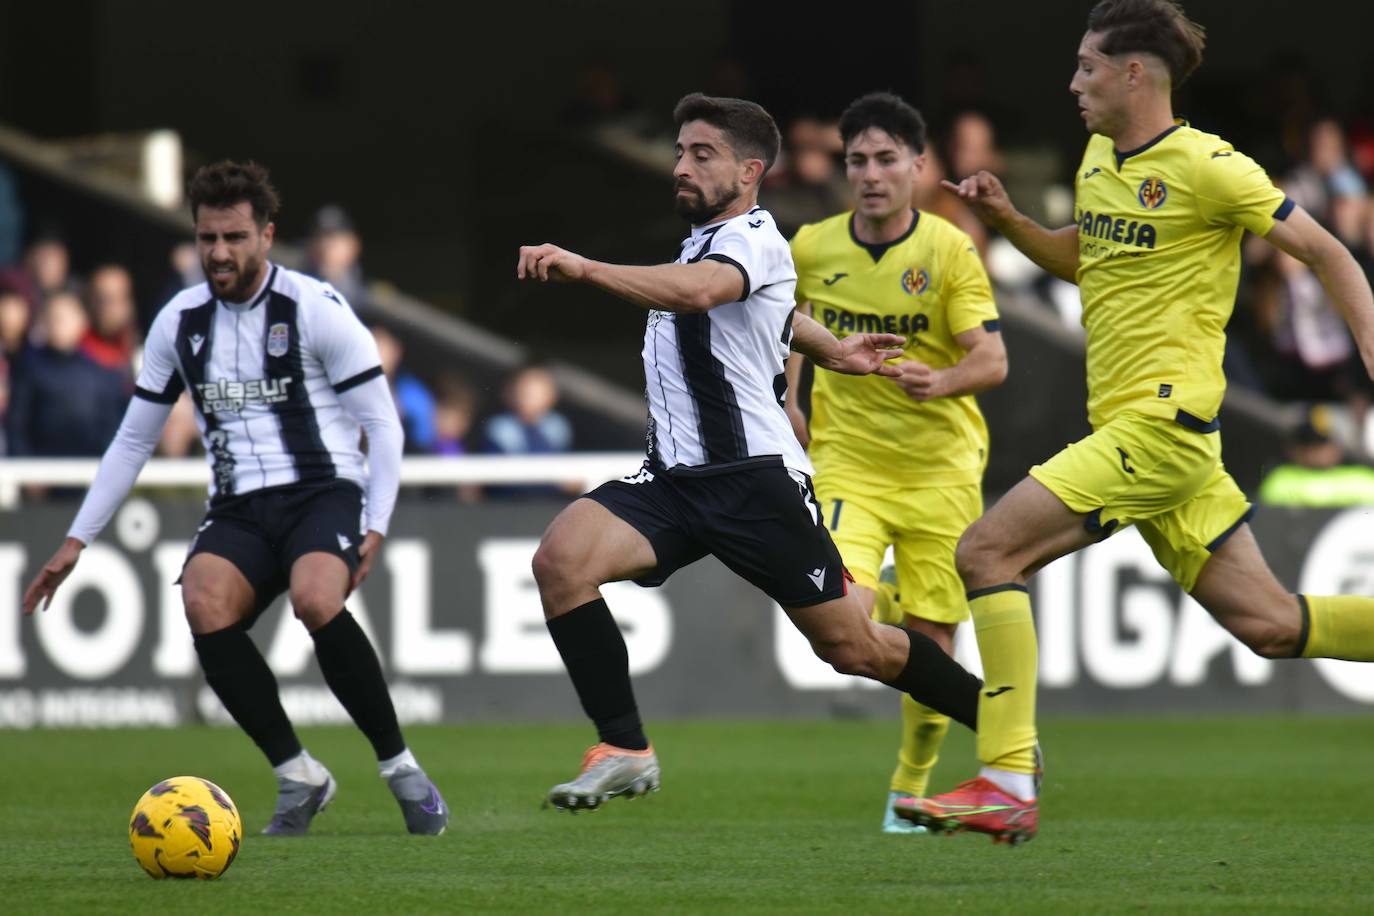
x=714 y=380
x=282 y=386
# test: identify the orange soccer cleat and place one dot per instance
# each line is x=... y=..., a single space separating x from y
x=978 y=805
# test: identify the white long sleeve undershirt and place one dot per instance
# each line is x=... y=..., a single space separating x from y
x=128 y=452
x=372 y=406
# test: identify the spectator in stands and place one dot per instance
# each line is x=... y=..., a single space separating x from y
x=454 y=410
x=334 y=251
x=15 y=314
x=808 y=185
x=112 y=339
x=61 y=402
x=529 y=426
x=48 y=265
x=414 y=402
x=1317 y=472
x=184 y=271
x=967 y=144
x=1315 y=358
x=1325 y=175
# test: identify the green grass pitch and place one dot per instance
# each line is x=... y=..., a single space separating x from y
x=1235 y=815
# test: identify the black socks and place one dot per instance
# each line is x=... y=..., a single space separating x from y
x=352 y=671
x=239 y=676
x=938 y=681
x=593 y=651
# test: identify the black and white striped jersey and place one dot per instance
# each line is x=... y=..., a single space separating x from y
x=265 y=377
x=714 y=380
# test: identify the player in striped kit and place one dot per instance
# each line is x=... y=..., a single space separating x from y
x=724 y=475
x=284 y=377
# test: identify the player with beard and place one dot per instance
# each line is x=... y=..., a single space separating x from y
x=724 y=473
x=284 y=377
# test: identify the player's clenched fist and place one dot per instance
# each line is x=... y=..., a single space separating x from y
x=985 y=195
x=549 y=262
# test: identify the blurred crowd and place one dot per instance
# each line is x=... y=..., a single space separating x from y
x=71 y=347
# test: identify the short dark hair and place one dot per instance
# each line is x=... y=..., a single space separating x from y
x=1158 y=27
x=227 y=183
x=888 y=112
x=750 y=130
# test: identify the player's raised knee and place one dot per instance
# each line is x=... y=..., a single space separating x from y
x=974 y=553
x=315 y=606
x=554 y=562
x=206 y=610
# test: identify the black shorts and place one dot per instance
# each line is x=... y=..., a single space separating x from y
x=763 y=523
x=265 y=532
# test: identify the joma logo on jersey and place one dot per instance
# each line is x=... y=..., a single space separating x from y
x=1152 y=193
x=861 y=323
x=1116 y=229
x=915 y=282
x=233 y=396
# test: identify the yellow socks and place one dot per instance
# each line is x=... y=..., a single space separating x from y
x=923 y=731
x=1338 y=626
x=1006 y=705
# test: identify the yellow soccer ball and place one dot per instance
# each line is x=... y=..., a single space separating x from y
x=185 y=827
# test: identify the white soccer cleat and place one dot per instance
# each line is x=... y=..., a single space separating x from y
x=607 y=772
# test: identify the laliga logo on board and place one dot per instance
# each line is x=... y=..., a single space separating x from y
x=915 y=282
x=1152 y=193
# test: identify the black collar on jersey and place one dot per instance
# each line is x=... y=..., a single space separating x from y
x=878 y=249
x=1122 y=157
x=261 y=297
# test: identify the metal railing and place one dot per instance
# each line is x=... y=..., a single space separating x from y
x=587 y=469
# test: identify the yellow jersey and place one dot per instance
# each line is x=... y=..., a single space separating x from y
x=1159 y=231
x=867 y=436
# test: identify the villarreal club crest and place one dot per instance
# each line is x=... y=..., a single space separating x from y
x=1152 y=193
x=915 y=281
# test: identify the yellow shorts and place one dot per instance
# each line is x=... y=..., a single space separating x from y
x=922 y=527
x=1162 y=476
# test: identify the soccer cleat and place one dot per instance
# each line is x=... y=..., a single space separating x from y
x=421 y=803
x=894 y=824
x=607 y=771
x=298 y=803
x=977 y=805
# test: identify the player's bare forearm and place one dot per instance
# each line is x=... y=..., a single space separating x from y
x=811 y=339
x=1053 y=250
x=857 y=354
x=984 y=366
x=695 y=287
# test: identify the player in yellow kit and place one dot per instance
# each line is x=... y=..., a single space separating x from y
x=899 y=462
x=1161 y=208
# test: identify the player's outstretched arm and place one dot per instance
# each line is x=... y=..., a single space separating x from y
x=1305 y=239
x=983 y=366
x=1055 y=250
x=857 y=354
x=128 y=452
x=697 y=287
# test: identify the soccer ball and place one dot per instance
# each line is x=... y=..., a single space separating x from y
x=185 y=827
